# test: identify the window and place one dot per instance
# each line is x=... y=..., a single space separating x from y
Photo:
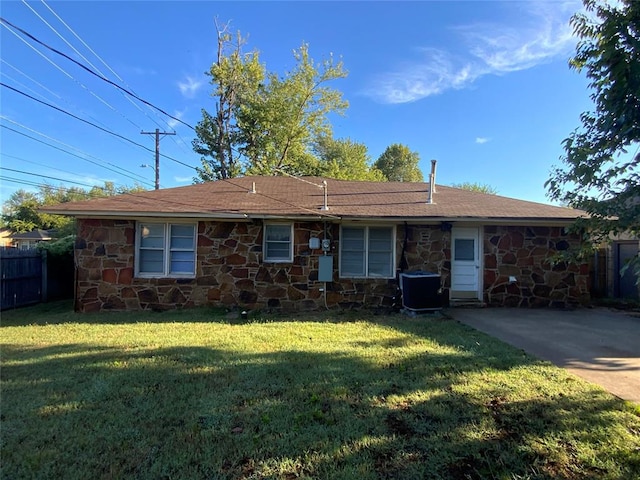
x=27 y=245
x=166 y=250
x=367 y=252
x=278 y=242
x=464 y=249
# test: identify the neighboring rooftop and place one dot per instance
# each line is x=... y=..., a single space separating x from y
x=293 y=197
x=37 y=234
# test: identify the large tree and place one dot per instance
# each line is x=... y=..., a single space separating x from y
x=399 y=164
x=235 y=77
x=345 y=159
x=600 y=172
x=265 y=123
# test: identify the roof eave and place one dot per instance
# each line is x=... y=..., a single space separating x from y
x=560 y=221
x=138 y=214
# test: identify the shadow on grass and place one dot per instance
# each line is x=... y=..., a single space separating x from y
x=85 y=411
x=61 y=312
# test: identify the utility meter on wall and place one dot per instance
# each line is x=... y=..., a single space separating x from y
x=326 y=245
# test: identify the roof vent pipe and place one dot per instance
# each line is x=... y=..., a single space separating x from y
x=325 y=187
x=430 y=194
x=253 y=187
x=433 y=175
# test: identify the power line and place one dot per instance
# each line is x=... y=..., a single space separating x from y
x=42 y=165
x=29 y=183
x=26 y=87
x=79 y=53
x=119 y=168
x=109 y=68
x=35 y=163
x=34 y=81
x=20 y=181
x=57 y=170
x=72 y=115
x=45 y=176
x=84 y=67
x=119 y=172
x=75 y=50
x=26 y=4
x=110 y=132
x=130 y=194
x=65 y=72
x=172 y=202
x=327 y=215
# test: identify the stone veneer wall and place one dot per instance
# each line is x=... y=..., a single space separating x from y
x=428 y=249
x=230 y=272
x=526 y=253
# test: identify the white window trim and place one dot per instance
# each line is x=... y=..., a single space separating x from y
x=166 y=249
x=291 y=243
x=366 y=256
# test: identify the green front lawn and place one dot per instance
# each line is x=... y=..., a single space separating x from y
x=195 y=394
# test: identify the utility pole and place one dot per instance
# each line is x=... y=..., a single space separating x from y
x=157 y=133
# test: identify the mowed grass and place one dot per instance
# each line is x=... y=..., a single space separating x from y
x=196 y=394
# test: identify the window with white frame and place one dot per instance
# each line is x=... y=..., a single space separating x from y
x=166 y=249
x=278 y=242
x=367 y=252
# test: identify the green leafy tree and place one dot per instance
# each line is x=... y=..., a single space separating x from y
x=345 y=160
x=235 y=77
x=600 y=172
x=476 y=187
x=399 y=164
x=21 y=212
x=265 y=123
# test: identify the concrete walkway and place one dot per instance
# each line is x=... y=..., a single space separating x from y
x=598 y=344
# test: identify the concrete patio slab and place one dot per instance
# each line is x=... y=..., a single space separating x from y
x=598 y=344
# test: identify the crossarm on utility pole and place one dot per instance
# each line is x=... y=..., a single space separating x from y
x=157 y=133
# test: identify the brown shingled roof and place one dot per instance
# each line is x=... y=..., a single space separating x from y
x=291 y=197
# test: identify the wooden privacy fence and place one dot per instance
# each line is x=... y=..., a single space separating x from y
x=32 y=276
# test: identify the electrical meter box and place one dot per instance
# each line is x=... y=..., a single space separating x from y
x=325 y=268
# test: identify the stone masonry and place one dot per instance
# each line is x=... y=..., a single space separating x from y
x=230 y=271
x=527 y=255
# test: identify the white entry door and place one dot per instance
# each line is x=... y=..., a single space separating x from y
x=465 y=262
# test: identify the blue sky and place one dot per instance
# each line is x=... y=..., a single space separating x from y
x=484 y=87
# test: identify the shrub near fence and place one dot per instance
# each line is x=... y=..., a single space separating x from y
x=33 y=276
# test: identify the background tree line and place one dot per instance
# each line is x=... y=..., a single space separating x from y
x=21 y=212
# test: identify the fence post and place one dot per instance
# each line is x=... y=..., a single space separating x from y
x=44 y=275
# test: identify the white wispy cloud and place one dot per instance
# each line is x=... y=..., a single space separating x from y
x=437 y=72
x=544 y=35
x=518 y=48
x=482 y=140
x=183 y=179
x=179 y=114
x=137 y=70
x=190 y=86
